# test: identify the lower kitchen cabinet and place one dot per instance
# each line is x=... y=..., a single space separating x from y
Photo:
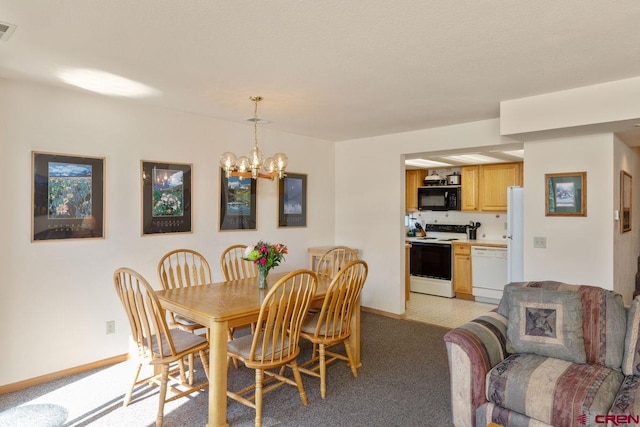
x=462 y=271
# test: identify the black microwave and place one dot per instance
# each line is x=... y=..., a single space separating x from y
x=439 y=198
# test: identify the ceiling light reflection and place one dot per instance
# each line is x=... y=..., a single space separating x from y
x=425 y=163
x=106 y=83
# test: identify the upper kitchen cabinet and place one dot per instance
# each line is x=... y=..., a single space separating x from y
x=469 y=181
x=414 y=179
x=484 y=187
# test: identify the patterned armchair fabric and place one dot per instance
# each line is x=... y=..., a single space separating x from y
x=490 y=385
x=473 y=349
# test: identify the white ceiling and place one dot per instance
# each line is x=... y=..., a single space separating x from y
x=330 y=69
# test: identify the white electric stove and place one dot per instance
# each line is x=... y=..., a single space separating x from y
x=431 y=263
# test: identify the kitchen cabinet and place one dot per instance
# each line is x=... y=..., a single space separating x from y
x=469 y=182
x=484 y=187
x=414 y=179
x=462 y=271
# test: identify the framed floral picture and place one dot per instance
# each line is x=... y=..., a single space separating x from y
x=68 y=197
x=237 y=203
x=566 y=194
x=292 y=200
x=166 y=198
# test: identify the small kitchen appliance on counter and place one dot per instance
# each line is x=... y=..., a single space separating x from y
x=453 y=179
x=434 y=179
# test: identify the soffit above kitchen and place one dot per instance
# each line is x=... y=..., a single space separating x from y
x=453 y=158
x=330 y=69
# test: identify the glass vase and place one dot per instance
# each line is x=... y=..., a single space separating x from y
x=262 y=278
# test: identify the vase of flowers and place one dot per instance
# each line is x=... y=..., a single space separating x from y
x=265 y=256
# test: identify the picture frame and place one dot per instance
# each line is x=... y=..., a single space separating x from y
x=566 y=194
x=68 y=196
x=166 y=197
x=625 y=201
x=238 y=203
x=292 y=200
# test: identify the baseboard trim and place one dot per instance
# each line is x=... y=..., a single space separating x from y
x=382 y=313
x=8 y=388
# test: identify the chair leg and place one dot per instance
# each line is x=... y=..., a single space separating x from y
x=258 y=397
x=354 y=369
x=298 y=378
x=183 y=376
x=323 y=371
x=230 y=333
x=127 y=397
x=163 y=394
x=205 y=363
x=190 y=358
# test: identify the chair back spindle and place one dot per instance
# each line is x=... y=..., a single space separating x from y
x=234 y=266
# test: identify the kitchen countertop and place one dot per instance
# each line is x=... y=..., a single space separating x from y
x=478 y=242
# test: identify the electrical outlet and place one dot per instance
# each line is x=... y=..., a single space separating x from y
x=111 y=327
x=539 y=242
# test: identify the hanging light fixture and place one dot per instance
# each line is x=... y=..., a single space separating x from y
x=251 y=166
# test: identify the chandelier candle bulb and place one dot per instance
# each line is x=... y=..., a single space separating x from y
x=251 y=166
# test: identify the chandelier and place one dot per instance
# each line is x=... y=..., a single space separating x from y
x=254 y=165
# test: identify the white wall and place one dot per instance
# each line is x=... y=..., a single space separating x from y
x=579 y=249
x=585 y=106
x=56 y=296
x=626 y=246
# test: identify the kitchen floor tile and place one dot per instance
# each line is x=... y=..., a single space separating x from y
x=447 y=312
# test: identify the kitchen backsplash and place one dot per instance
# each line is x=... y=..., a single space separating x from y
x=494 y=225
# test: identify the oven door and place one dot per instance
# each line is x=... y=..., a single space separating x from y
x=431 y=260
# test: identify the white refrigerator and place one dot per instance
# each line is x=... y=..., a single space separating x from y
x=515 y=234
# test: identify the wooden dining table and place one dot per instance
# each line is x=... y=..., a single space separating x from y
x=235 y=303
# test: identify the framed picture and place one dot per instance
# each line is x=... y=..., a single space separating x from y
x=237 y=203
x=625 y=202
x=292 y=200
x=68 y=197
x=566 y=194
x=166 y=198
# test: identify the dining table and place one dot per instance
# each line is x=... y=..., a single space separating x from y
x=234 y=303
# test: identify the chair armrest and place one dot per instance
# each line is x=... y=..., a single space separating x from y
x=473 y=349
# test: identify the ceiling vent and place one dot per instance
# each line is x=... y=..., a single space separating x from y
x=6 y=30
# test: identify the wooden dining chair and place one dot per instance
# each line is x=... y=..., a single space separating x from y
x=332 y=324
x=178 y=269
x=275 y=343
x=333 y=260
x=181 y=268
x=156 y=343
x=234 y=267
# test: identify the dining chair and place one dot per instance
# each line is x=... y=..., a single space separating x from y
x=234 y=267
x=181 y=268
x=332 y=324
x=178 y=269
x=275 y=343
x=156 y=343
x=333 y=260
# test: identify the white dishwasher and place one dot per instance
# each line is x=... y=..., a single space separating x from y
x=488 y=273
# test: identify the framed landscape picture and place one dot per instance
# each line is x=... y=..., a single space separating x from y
x=68 y=197
x=166 y=198
x=566 y=194
x=292 y=200
x=237 y=203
